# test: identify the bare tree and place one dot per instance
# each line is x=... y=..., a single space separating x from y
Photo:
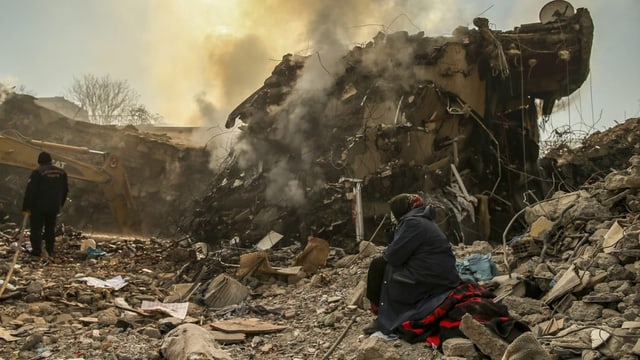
x=140 y=115
x=108 y=101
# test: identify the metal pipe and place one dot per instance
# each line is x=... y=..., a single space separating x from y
x=357 y=192
x=359 y=218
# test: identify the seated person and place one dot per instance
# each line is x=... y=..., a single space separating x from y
x=415 y=288
x=416 y=271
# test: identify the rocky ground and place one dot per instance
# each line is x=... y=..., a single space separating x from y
x=581 y=254
x=49 y=314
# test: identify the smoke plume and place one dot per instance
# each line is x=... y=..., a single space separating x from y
x=227 y=49
x=229 y=57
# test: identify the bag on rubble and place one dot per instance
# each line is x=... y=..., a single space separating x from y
x=93 y=253
x=477 y=268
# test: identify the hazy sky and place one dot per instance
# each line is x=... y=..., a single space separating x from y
x=194 y=60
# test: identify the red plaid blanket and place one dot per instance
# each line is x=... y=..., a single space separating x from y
x=444 y=322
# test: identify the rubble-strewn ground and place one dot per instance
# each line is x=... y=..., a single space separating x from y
x=52 y=316
x=569 y=265
x=584 y=272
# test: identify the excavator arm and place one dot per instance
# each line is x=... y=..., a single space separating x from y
x=21 y=152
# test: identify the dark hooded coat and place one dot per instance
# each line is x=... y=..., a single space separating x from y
x=420 y=272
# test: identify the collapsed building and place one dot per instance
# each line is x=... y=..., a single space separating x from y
x=159 y=175
x=454 y=118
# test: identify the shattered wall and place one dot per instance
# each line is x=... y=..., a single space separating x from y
x=402 y=113
x=565 y=167
x=164 y=177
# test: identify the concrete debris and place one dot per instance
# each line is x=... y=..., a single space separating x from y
x=525 y=347
x=489 y=343
x=314 y=255
x=247 y=326
x=592 y=160
x=595 y=312
x=224 y=291
x=269 y=240
x=190 y=341
x=374 y=348
x=460 y=347
x=445 y=120
x=439 y=116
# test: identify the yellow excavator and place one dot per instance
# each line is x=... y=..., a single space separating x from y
x=22 y=152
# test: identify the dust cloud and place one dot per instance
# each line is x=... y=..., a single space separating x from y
x=218 y=61
x=4 y=93
x=226 y=49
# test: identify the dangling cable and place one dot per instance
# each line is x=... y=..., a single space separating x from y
x=522 y=121
x=565 y=55
x=593 y=121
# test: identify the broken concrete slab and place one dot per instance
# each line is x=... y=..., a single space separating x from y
x=525 y=347
x=269 y=240
x=357 y=295
x=553 y=207
x=222 y=337
x=248 y=326
x=624 y=179
x=224 y=290
x=460 y=347
x=375 y=348
x=6 y=335
x=541 y=228
x=566 y=284
x=612 y=237
x=489 y=343
x=599 y=337
x=189 y=341
x=581 y=311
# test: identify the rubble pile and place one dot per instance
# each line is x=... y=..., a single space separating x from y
x=272 y=270
x=444 y=116
x=582 y=251
x=572 y=277
x=568 y=167
x=163 y=176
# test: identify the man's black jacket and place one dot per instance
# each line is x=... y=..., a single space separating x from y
x=47 y=190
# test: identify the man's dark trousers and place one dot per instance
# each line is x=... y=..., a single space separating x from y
x=38 y=221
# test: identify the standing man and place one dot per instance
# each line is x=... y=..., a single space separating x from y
x=46 y=193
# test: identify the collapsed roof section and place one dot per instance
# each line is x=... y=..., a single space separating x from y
x=164 y=177
x=404 y=113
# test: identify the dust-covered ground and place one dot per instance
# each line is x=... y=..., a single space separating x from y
x=50 y=314
x=580 y=255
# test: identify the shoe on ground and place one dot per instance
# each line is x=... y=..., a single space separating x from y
x=38 y=260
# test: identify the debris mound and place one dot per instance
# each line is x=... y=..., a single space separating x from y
x=572 y=275
x=599 y=153
x=449 y=117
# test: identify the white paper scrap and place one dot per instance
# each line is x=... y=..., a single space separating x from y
x=178 y=310
x=116 y=283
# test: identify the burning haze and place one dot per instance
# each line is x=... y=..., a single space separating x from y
x=218 y=52
x=193 y=61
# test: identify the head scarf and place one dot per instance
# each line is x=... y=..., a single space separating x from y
x=403 y=203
